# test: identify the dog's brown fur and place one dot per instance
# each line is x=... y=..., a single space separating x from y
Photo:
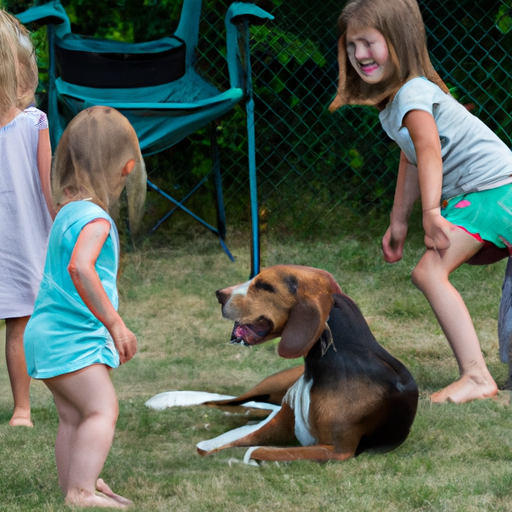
x=360 y=397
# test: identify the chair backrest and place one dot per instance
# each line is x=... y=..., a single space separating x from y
x=105 y=64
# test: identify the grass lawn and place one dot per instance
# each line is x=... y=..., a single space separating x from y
x=457 y=458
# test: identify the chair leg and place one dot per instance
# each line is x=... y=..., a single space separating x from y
x=251 y=150
x=180 y=204
x=255 y=241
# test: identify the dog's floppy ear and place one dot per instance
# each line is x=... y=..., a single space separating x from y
x=305 y=325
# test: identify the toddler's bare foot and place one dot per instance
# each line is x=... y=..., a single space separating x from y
x=466 y=389
x=20 y=419
x=102 y=487
x=80 y=498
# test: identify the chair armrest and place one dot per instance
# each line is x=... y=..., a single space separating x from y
x=51 y=13
x=239 y=16
x=240 y=11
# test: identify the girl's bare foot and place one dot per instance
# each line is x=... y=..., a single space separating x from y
x=466 y=389
x=20 y=419
x=80 y=498
x=103 y=488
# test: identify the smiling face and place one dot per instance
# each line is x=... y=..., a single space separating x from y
x=369 y=55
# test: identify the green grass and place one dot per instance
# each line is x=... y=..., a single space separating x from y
x=457 y=458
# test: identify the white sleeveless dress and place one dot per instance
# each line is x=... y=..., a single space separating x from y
x=24 y=219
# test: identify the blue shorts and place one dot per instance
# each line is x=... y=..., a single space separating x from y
x=486 y=215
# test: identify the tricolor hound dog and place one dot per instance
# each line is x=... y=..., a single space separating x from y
x=350 y=395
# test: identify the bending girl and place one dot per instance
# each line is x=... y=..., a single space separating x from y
x=457 y=166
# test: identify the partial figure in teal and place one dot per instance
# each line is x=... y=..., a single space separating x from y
x=25 y=201
x=454 y=163
x=75 y=335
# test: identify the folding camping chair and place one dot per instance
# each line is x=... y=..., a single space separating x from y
x=155 y=85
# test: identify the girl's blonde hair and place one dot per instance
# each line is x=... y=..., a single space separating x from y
x=401 y=24
x=90 y=157
x=18 y=67
x=8 y=79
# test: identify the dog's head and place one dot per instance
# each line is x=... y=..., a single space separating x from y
x=287 y=301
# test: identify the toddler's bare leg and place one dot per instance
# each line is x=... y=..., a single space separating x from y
x=431 y=277
x=87 y=406
x=17 y=369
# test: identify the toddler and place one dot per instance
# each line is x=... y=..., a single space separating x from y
x=75 y=335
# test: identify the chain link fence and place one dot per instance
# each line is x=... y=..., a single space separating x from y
x=313 y=166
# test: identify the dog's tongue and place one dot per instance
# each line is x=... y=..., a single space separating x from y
x=240 y=331
x=238 y=335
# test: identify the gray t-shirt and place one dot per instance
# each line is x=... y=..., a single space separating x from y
x=474 y=157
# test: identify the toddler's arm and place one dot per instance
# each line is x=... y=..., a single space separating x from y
x=87 y=282
x=406 y=193
x=423 y=131
x=44 y=163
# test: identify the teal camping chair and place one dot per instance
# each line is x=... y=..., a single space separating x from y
x=155 y=85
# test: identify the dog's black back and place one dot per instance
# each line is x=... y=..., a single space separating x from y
x=355 y=363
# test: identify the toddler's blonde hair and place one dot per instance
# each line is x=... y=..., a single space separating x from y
x=401 y=24
x=90 y=157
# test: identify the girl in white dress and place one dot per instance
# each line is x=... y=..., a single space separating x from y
x=25 y=200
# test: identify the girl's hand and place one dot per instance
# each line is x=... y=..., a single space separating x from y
x=436 y=227
x=394 y=241
x=125 y=342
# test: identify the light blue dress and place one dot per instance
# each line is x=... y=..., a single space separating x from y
x=63 y=335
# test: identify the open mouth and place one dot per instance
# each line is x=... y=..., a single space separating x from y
x=251 y=334
x=368 y=67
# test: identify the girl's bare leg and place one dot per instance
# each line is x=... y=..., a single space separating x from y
x=87 y=405
x=17 y=369
x=431 y=277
